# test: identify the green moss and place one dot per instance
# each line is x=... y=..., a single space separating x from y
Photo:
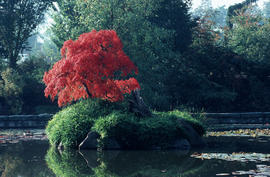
x=130 y=132
x=196 y=123
x=71 y=125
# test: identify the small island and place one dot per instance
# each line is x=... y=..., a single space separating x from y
x=110 y=113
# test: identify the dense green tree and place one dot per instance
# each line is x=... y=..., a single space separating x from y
x=32 y=71
x=18 y=20
x=11 y=84
x=235 y=9
x=251 y=37
x=66 y=22
x=218 y=78
x=181 y=62
x=173 y=15
x=207 y=79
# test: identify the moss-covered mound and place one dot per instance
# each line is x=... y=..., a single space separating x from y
x=71 y=125
x=111 y=121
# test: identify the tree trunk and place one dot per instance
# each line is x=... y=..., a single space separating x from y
x=137 y=105
x=12 y=62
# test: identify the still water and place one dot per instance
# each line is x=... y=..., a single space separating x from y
x=36 y=159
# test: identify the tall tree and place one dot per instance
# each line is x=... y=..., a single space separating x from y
x=173 y=15
x=67 y=22
x=234 y=9
x=18 y=20
x=251 y=37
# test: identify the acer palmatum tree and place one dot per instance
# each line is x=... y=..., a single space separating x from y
x=88 y=68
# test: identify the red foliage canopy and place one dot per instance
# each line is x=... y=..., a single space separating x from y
x=88 y=68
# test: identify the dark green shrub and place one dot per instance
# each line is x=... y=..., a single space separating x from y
x=160 y=130
x=11 y=84
x=194 y=121
x=71 y=125
x=121 y=126
x=32 y=70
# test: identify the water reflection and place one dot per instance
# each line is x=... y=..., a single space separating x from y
x=33 y=159
x=67 y=163
x=145 y=163
x=122 y=163
x=139 y=164
x=24 y=159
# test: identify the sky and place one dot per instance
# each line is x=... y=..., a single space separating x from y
x=227 y=3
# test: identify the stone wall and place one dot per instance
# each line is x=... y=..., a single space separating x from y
x=215 y=121
x=238 y=118
x=24 y=121
x=229 y=121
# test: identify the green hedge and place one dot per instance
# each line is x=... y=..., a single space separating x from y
x=112 y=120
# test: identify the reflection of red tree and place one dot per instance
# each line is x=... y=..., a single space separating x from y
x=88 y=68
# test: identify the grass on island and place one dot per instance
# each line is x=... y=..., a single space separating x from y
x=112 y=120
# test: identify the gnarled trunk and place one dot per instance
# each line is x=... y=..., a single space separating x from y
x=137 y=105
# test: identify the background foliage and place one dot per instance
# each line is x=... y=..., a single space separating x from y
x=185 y=58
x=18 y=20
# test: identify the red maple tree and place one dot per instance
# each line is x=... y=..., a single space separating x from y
x=88 y=68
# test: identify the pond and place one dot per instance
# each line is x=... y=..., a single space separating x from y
x=34 y=158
